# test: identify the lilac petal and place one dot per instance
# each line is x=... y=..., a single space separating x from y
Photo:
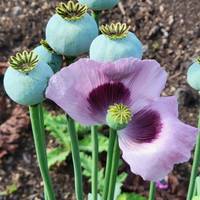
x=145 y=78
x=150 y=154
x=70 y=88
x=86 y=88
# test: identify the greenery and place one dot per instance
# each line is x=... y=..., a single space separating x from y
x=130 y=196
x=10 y=189
x=56 y=126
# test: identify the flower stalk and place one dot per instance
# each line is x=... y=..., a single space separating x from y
x=195 y=166
x=197 y=189
x=95 y=147
x=96 y=15
x=39 y=140
x=114 y=169
x=76 y=158
x=152 y=191
x=112 y=139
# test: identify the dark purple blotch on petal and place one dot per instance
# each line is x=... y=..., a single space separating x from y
x=145 y=126
x=107 y=94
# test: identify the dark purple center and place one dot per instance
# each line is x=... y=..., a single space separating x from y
x=107 y=94
x=145 y=126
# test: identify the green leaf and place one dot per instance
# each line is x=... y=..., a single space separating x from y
x=57 y=127
x=122 y=177
x=10 y=189
x=86 y=143
x=130 y=196
x=82 y=129
x=86 y=163
x=90 y=197
x=57 y=155
x=196 y=198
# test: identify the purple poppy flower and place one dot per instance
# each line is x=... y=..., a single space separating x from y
x=154 y=139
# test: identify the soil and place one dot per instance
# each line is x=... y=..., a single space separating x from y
x=170 y=32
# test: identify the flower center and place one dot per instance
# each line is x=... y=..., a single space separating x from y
x=118 y=116
x=71 y=11
x=24 y=62
x=46 y=46
x=115 y=31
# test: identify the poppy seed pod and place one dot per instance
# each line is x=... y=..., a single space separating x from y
x=48 y=55
x=193 y=75
x=99 y=4
x=71 y=30
x=115 y=42
x=26 y=79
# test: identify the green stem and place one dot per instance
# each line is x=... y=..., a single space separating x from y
x=152 y=191
x=38 y=135
x=195 y=190
x=194 y=167
x=112 y=139
x=95 y=147
x=76 y=158
x=96 y=15
x=42 y=128
x=45 y=195
x=198 y=185
x=114 y=169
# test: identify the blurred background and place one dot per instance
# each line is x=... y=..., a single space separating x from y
x=170 y=32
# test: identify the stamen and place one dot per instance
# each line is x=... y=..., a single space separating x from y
x=115 y=31
x=24 y=62
x=118 y=116
x=71 y=10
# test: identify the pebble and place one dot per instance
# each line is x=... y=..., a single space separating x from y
x=16 y=11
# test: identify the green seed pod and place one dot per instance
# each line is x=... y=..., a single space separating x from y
x=193 y=75
x=118 y=116
x=26 y=79
x=71 y=30
x=116 y=42
x=49 y=56
x=99 y=4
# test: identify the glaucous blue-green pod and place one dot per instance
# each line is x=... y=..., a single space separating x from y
x=71 y=30
x=99 y=4
x=115 y=42
x=26 y=79
x=193 y=75
x=48 y=55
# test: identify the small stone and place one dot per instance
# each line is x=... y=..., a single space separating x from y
x=16 y=11
x=170 y=20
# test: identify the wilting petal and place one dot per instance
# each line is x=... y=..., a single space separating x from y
x=155 y=140
x=145 y=78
